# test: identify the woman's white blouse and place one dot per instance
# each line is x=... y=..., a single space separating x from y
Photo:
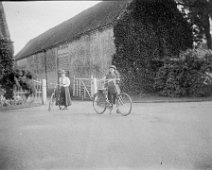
x=64 y=81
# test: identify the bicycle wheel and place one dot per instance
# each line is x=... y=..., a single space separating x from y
x=124 y=102
x=52 y=102
x=99 y=103
x=61 y=107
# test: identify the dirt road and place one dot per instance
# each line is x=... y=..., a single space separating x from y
x=154 y=136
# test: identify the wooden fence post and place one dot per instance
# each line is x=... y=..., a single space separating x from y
x=74 y=86
x=93 y=86
x=80 y=87
x=44 y=94
x=84 y=93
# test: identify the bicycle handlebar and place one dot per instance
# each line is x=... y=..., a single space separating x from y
x=108 y=80
x=36 y=81
x=55 y=84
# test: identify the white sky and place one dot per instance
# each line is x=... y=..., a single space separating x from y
x=26 y=20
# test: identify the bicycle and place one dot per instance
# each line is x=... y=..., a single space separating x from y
x=101 y=102
x=54 y=99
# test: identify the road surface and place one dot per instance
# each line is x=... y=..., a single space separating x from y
x=155 y=136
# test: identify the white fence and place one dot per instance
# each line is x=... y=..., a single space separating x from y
x=39 y=92
x=82 y=87
x=38 y=88
x=85 y=88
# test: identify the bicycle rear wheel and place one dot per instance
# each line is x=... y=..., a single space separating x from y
x=99 y=103
x=124 y=102
x=61 y=107
x=52 y=102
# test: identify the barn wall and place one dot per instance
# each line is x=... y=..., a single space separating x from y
x=101 y=51
x=22 y=63
x=88 y=55
x=43 y=65
x=91 y=54
x=79 y=57
x=63 y=57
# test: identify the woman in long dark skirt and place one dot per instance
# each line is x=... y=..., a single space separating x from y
x=65 y=98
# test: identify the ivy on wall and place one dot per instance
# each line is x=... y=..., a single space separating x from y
x=145 y=34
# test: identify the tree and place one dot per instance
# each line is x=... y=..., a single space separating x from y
x=6 y=65
x=146 y=33
x=198 y=13
x=6 y=57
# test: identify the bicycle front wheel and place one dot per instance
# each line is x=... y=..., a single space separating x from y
x=124 y=102
x=52 y=102
x=99 y=103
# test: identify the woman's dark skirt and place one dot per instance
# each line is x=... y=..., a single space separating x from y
x=65 y=98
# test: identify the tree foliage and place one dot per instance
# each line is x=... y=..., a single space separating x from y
x=16 y=78
x=6 y=57
x=198 y=13
x=6 y=63
x=9 y=75
x=145 y=33
x=184 y=76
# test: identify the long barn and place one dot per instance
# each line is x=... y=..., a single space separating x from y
x=82 y=45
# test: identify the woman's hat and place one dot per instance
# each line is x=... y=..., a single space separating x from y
x=112 y=66
x=62 y=71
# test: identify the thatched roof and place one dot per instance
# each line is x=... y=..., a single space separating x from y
x=98 y=16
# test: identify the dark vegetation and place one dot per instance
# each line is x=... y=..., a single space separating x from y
x=185 y=76
x=11 y=77
x=149 y=37
x=198 y=13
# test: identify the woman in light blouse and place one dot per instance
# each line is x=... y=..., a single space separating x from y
x=65 y=98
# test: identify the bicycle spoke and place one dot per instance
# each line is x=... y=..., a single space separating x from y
x=99 y=103
x=52 y=102
x=124 y=104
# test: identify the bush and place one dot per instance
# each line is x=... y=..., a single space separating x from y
x=184 y=76
x=6 y=63
x=8 y=102
x=15 y=79
x=6 y=57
